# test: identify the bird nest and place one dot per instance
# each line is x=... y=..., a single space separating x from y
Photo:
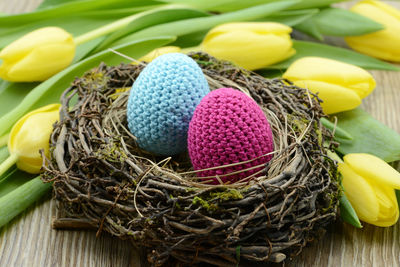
x=102 y=179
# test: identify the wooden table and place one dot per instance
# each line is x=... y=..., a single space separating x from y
x=30 y=241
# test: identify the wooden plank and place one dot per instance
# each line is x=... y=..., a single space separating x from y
x=29 y=240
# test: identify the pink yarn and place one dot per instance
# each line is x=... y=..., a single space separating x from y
x=228 y=127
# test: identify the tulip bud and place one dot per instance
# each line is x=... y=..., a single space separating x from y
x=30 y=134
x=158 y=52
x=369 y=184
x=37 y=55
x=339 y=85
x=383 y=44
x=251 y=45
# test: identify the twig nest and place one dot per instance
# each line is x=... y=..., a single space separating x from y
x=102 y=177
x=162 y=102
x=227 y=128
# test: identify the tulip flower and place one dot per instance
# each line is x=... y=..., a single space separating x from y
x=251 y=45
x=158 y=52
x=369 y=184
x=339 y=85
x=30 y=134
x=383 y=44
x=37 y=55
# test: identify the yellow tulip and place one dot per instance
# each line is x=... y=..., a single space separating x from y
x=251 y=45
x=383 y=44
x=30 y=134
x=339 y=85
x=369 y=184
x=37 y=55
x=158 y=52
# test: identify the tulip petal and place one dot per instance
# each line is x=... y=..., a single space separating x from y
x=388 y=206
x=43 y=36
x=250 y=45
x=249 y=50
x=332 y=71
x=360 y=194
x=382 y=44
x=373 y=168
x=37 y=55
x=30 y=134
x=335 y=97
x=256 y=27
x=4 y=69
x=42 y=63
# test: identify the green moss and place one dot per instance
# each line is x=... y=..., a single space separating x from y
x=111 y=152
x=298 y=124
x=202 y=62
x=95 y=80
x=226 y=195
x=205 y=204
x=319 y=134
x=190 y=189
x=210 y=201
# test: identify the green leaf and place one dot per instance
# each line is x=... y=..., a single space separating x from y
x=338 y=132
x=12 y=94
x=187 y=26
x=310 y=28
x=234 y=5
x=53 y=3
x=190 y=39
x=340 y=22
x=3 y=154
x=150 y=18
x=291 y=17
x=369 y=136
x=111 y=5
x=50 y=90
x=270 y=73
x=83 y=50
x=348 y=213
x=315 y=3
x=70 y=7
x=211 y=4
x=308 y=49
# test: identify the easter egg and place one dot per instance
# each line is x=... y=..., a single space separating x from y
x=162 y=101
x=229 y=127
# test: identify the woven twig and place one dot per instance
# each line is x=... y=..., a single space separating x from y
x=102 y=177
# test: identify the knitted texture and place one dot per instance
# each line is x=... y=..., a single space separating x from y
x=162 y=101
x=228 y=127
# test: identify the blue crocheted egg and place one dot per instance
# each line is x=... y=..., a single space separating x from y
x=162 y=101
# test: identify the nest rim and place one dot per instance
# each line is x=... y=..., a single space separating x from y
x=280 y=169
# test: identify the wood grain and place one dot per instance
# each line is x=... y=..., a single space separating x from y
x=30 y=241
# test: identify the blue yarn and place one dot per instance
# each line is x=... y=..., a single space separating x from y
x=162 y=101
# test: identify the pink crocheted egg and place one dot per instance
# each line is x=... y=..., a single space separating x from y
x=229 y=127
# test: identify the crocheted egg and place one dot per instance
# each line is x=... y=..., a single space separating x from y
x=229 y=127
x=162 y=101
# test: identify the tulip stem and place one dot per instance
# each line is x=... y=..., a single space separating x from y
x=8 y=163
x=21 y=198
x=4 y=140
x=116 y=25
